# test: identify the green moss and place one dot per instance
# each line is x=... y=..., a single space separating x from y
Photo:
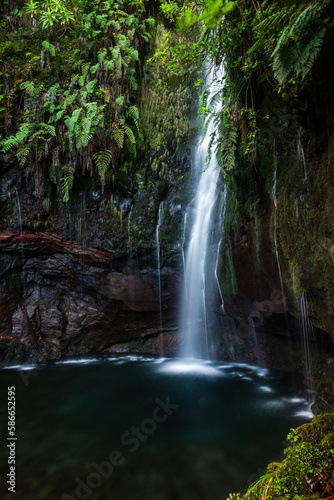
x=167 y=107
x=305 y=213
x=324 y=394
x=307 y=469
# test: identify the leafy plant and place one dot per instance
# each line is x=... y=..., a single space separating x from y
x=103 y=160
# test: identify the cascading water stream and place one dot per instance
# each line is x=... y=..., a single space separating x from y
x=221 y=223
x=157 y=235
x=308 y=338
x=194 y=321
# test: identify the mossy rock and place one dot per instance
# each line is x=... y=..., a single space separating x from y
x=324 y=394
x=307 y=472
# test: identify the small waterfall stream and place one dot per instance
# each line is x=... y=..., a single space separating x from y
x=274 y=196
x=157 y=236
x=301 y=154
x=308 y=339
x=194 y=319
x=17 y=217
x=221 y=224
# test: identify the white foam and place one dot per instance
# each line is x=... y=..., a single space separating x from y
x=20 y=367
x=77 y=361
x=295 y=400
x=265 y=388
x=304 y=413
x=192 y=366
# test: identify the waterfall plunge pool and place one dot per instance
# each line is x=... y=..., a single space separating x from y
x=143 y=428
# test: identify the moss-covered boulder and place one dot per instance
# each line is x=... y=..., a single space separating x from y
x=307 y=472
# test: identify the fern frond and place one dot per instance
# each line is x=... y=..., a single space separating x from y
x=22 y=153
x=101 y=55
x=131 y=146
x=67 y=181
x=133 y=82
x=130 y=134
x=118 y=135
x=102 y=160
x=134 y=112
x=300 y=42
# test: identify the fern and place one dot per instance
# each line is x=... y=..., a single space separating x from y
x=120 y=100
x=118 y=135
x=133 y=112
x=90 y=86
x=133 y=82
x=84 y=72
x=109 y=65
x=67 y=181
x=22 y=154
x=130 y=134
x=102 y=160
x=226 y=148
x=131 y=146
x=93 y=69
x=300 y=42
x=115 y=52
x=101 y=55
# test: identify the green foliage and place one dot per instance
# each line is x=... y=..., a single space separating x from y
x=264 y=46
x=83 y=99
x=49 y=12
x=227 y=145
x=103 y=160
x=301 y=41
x=309 y=461
x=50 y=47
x=67 y=181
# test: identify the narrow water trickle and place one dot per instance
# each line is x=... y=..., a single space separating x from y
x=194 y=319
x=274 y=196
x=301 y=154
x=157 y=236
x=308 y=339
x=221 y=224
x=17 y=217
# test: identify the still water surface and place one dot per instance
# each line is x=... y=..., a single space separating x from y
x=165 y=429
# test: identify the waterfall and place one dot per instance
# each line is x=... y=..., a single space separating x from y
x=194 y=320
x=157 y=235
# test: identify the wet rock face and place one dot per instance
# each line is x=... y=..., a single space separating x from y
x=58 y=299
x=139 y=290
